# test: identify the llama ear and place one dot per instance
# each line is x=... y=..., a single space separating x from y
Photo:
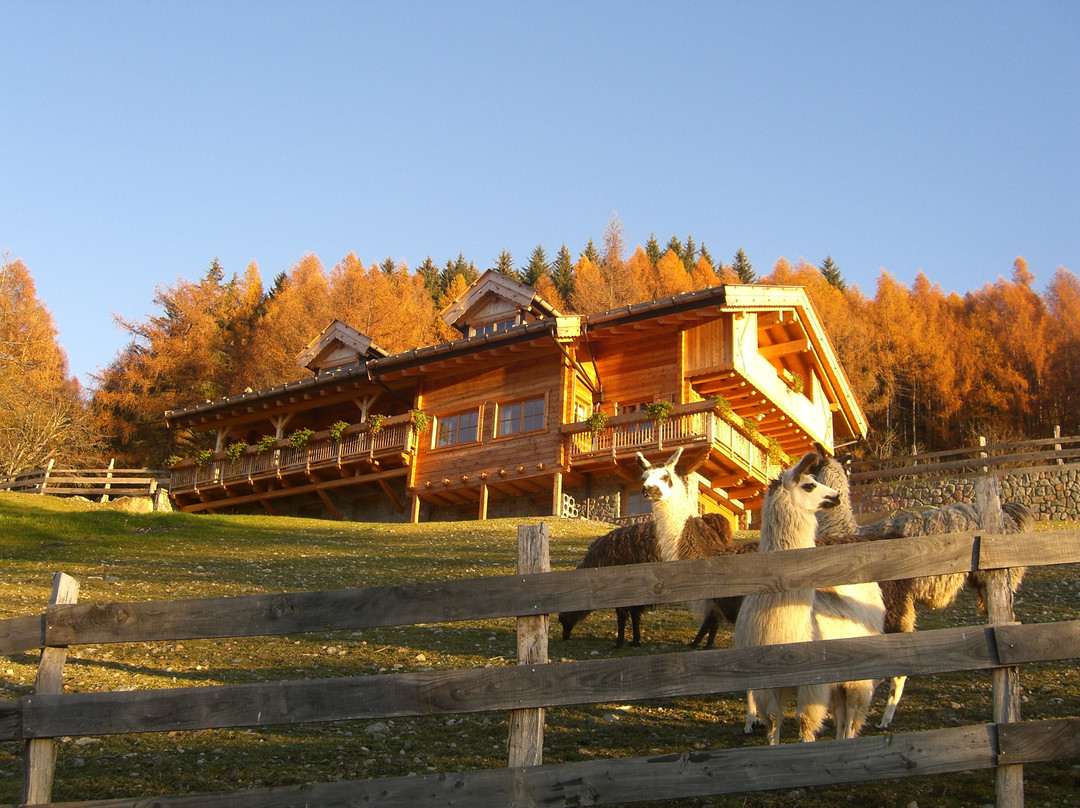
x=820 y=449
x=642 y=462
x=674 y=458
x=809 y=461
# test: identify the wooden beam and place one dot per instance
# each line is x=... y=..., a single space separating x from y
x=329 y=503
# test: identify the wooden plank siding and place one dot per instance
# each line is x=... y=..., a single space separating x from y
x=521 y=464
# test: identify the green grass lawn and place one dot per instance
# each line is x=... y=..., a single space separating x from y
x=118 y=556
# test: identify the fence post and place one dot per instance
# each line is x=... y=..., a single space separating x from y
x=108 y=477
x=45 y=476
x=526 y=744
x=40 y=754
x=982 y=442
x=1057 y=446
x=1006 y=681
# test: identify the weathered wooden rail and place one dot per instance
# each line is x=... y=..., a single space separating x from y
x=996 y=458
x=1004 y=742
x=101 y=484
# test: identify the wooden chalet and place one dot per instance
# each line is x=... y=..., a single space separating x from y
x=736 y=375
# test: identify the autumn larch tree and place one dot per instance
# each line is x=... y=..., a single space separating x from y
x=42 y=415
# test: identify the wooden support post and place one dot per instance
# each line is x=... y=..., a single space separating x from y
x=45 y=476
x=526 y=744
x=414 y=509
x=1006 y=681
x=108 y=477
x=556 y=496
x=482 y=515
x=40 y=754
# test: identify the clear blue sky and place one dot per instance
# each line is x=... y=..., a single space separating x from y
x=140 y=140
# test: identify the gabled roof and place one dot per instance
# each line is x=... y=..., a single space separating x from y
x=494 y=286
x=339 y=345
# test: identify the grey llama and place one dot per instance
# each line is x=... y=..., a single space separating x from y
x=936 y=591
x=788 y=522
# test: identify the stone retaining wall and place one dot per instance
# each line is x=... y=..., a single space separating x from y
x=1051 y=494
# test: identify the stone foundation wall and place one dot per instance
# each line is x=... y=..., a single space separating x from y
x=1051 y=494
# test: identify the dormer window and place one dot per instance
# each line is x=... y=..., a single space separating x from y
x=494 y=328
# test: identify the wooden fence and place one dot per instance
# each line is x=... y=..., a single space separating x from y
x=1003 y=743
x=101 y=484
x=1040 y=454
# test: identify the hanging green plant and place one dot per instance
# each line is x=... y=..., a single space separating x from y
x=172 y=460
x=749 y=423
x=337 y=431
x=265 y=444
x=596 y=421
x=300 y=437
x=375 y=423
x=724 y=406
x=420 y=422
x=659 y=411
x=777 y=455
x=234 y=450
x=203 y=457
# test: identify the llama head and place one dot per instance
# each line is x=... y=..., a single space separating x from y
x=659 y=482
x=804 y=490
x=832 y=471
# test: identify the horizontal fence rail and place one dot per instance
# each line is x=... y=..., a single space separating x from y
x=102 y=483
x=43 y=716
x=1025 y=455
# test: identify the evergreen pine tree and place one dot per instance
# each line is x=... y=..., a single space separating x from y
x=832 y=273
x=652 y=249
x=743 y=268
x=505 y=264
x=387 y=266
x=430 y=274
x=591 y=252
x=562 y=273
x=675 y=245
x=537 y=268
x=689 y=254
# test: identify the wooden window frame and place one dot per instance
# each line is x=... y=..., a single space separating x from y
x=441 y=419
x=497 y=435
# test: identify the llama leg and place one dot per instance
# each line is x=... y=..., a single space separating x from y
x=811 y=710
x=635 y=622
x=895 y=693
x=838 y=701
x=621 y=615
x=751 y=714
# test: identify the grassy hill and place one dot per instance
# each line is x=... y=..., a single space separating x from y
x=117 y=556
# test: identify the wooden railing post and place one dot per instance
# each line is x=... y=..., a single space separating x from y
x=1057 y=446
x=1006 y=681
x=108 y=478
x=39 y=765
x=45 y=476
x=526 y=744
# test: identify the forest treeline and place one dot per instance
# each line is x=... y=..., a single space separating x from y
x=931 y=370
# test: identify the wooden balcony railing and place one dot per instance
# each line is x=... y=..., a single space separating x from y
x=700 y=423
x=355 y=445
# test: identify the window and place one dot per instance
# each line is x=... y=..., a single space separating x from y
x=455 y=429
x=522 y=416
x=492 y=328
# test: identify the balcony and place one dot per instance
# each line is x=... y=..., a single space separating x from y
x=360 y=456
x=735 y=466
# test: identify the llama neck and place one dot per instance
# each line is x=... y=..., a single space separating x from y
x=670 y=516
x=783 y=526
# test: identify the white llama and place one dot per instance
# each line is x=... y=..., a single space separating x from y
x=788 y=522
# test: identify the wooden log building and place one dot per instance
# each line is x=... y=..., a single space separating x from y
x=737 y=375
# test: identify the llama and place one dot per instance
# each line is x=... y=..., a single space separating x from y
x=788 y=522
x=682 y=534
x=636 y=544
x=935 y=591
x=632 y=544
